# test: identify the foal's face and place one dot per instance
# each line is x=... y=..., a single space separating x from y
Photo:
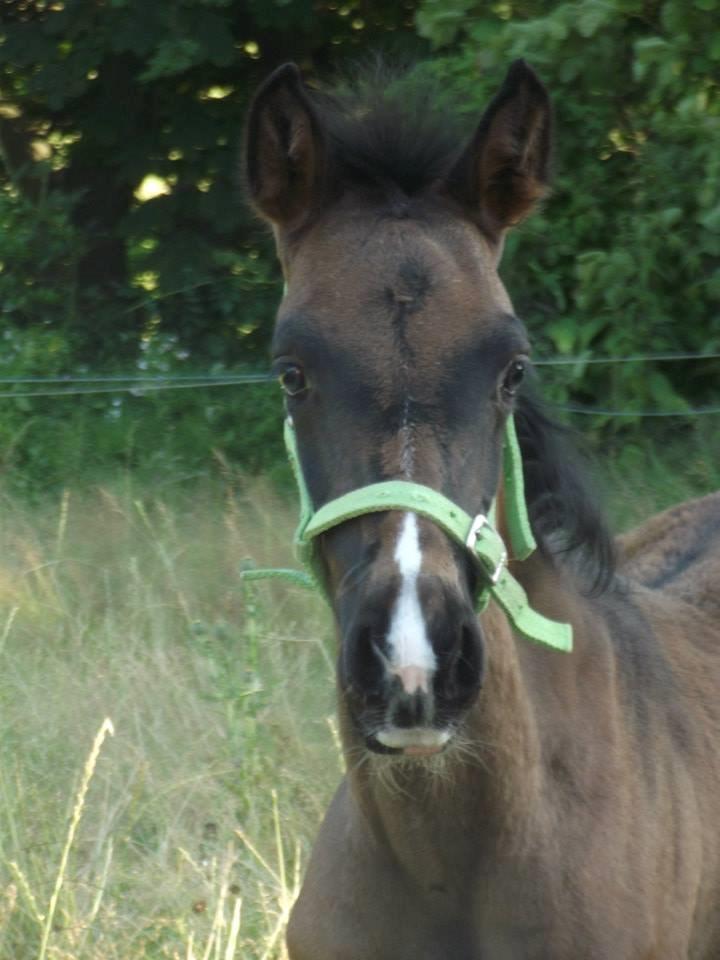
x=399 y=354
x=400 y=350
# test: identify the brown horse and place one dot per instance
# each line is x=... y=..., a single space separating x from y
x=502 y=800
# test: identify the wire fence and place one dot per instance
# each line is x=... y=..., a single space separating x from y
x=141 y=378
x=640 y=414
x=139 y=384
x=633 y=358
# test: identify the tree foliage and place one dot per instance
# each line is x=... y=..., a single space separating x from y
x=132 y=111
x=124 y=241
x=625 y=256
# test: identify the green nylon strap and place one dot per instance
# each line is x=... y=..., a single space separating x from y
x=476 y=534
x=520 y=532
x=532 y=625
x=413 y=497
x=306 y=507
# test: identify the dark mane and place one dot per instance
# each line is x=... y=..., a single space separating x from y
x=563 y=508
x=387 y=129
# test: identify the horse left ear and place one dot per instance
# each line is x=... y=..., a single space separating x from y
x=504 y=170
x=283 y=151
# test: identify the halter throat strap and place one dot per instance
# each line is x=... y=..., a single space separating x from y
x=476 y=534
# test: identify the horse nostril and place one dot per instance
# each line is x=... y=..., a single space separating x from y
x=363 y=664
x=464 y=675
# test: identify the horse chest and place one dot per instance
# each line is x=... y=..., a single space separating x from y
x=395 y=929
x=360 y=902
x=357 y=903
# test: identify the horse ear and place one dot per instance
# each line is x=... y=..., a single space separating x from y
x=283 y=151
x=504 y=170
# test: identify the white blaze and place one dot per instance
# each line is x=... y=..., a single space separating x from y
x=408 y=641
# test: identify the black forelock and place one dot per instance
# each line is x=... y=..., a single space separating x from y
x=564 y=510
x=386 y=128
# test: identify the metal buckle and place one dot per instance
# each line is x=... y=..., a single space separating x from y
x=476 y=526
x=497 y=572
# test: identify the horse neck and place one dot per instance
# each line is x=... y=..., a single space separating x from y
x=490 y=778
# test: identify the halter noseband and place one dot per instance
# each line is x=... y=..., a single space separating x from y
x=476 y=534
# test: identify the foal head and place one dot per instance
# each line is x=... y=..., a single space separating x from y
x=399 y=354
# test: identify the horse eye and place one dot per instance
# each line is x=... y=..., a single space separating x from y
x=292 y=379
x=513 y=377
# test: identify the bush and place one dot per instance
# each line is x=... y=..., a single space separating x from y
x=624 y=257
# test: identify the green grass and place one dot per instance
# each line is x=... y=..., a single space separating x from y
x=204 y=802
x=185 y=832
x=642 y=477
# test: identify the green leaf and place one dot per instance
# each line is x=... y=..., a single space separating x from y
x=711 y=219
x=174 y=55
x=714 y=47
x=592 y=15
x=670 y=216
x=563 y=333
x=440 y=20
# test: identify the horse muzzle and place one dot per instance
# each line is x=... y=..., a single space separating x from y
x=410 y=670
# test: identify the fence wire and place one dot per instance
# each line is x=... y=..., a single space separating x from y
x=633 y=358
x=139 y=384
x=599 y=412
x=136 y=388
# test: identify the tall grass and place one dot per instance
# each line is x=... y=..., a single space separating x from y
x=184 y=835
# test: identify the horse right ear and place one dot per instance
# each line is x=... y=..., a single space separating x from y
x=283 y=149
x=504 y=170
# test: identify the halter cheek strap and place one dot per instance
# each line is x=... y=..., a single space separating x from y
x=476 y=534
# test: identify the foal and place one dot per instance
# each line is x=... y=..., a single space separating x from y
x=502 y=799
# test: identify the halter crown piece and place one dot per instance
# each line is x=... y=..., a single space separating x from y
x=476 y=534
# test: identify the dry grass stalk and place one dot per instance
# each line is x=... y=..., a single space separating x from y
x=105 y=728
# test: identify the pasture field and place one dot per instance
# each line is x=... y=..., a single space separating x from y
x=168 y=745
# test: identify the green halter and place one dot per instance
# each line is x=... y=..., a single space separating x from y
x=476 y=534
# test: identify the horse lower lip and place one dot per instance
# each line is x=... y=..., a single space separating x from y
x=418 y=750
x=413 y=742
